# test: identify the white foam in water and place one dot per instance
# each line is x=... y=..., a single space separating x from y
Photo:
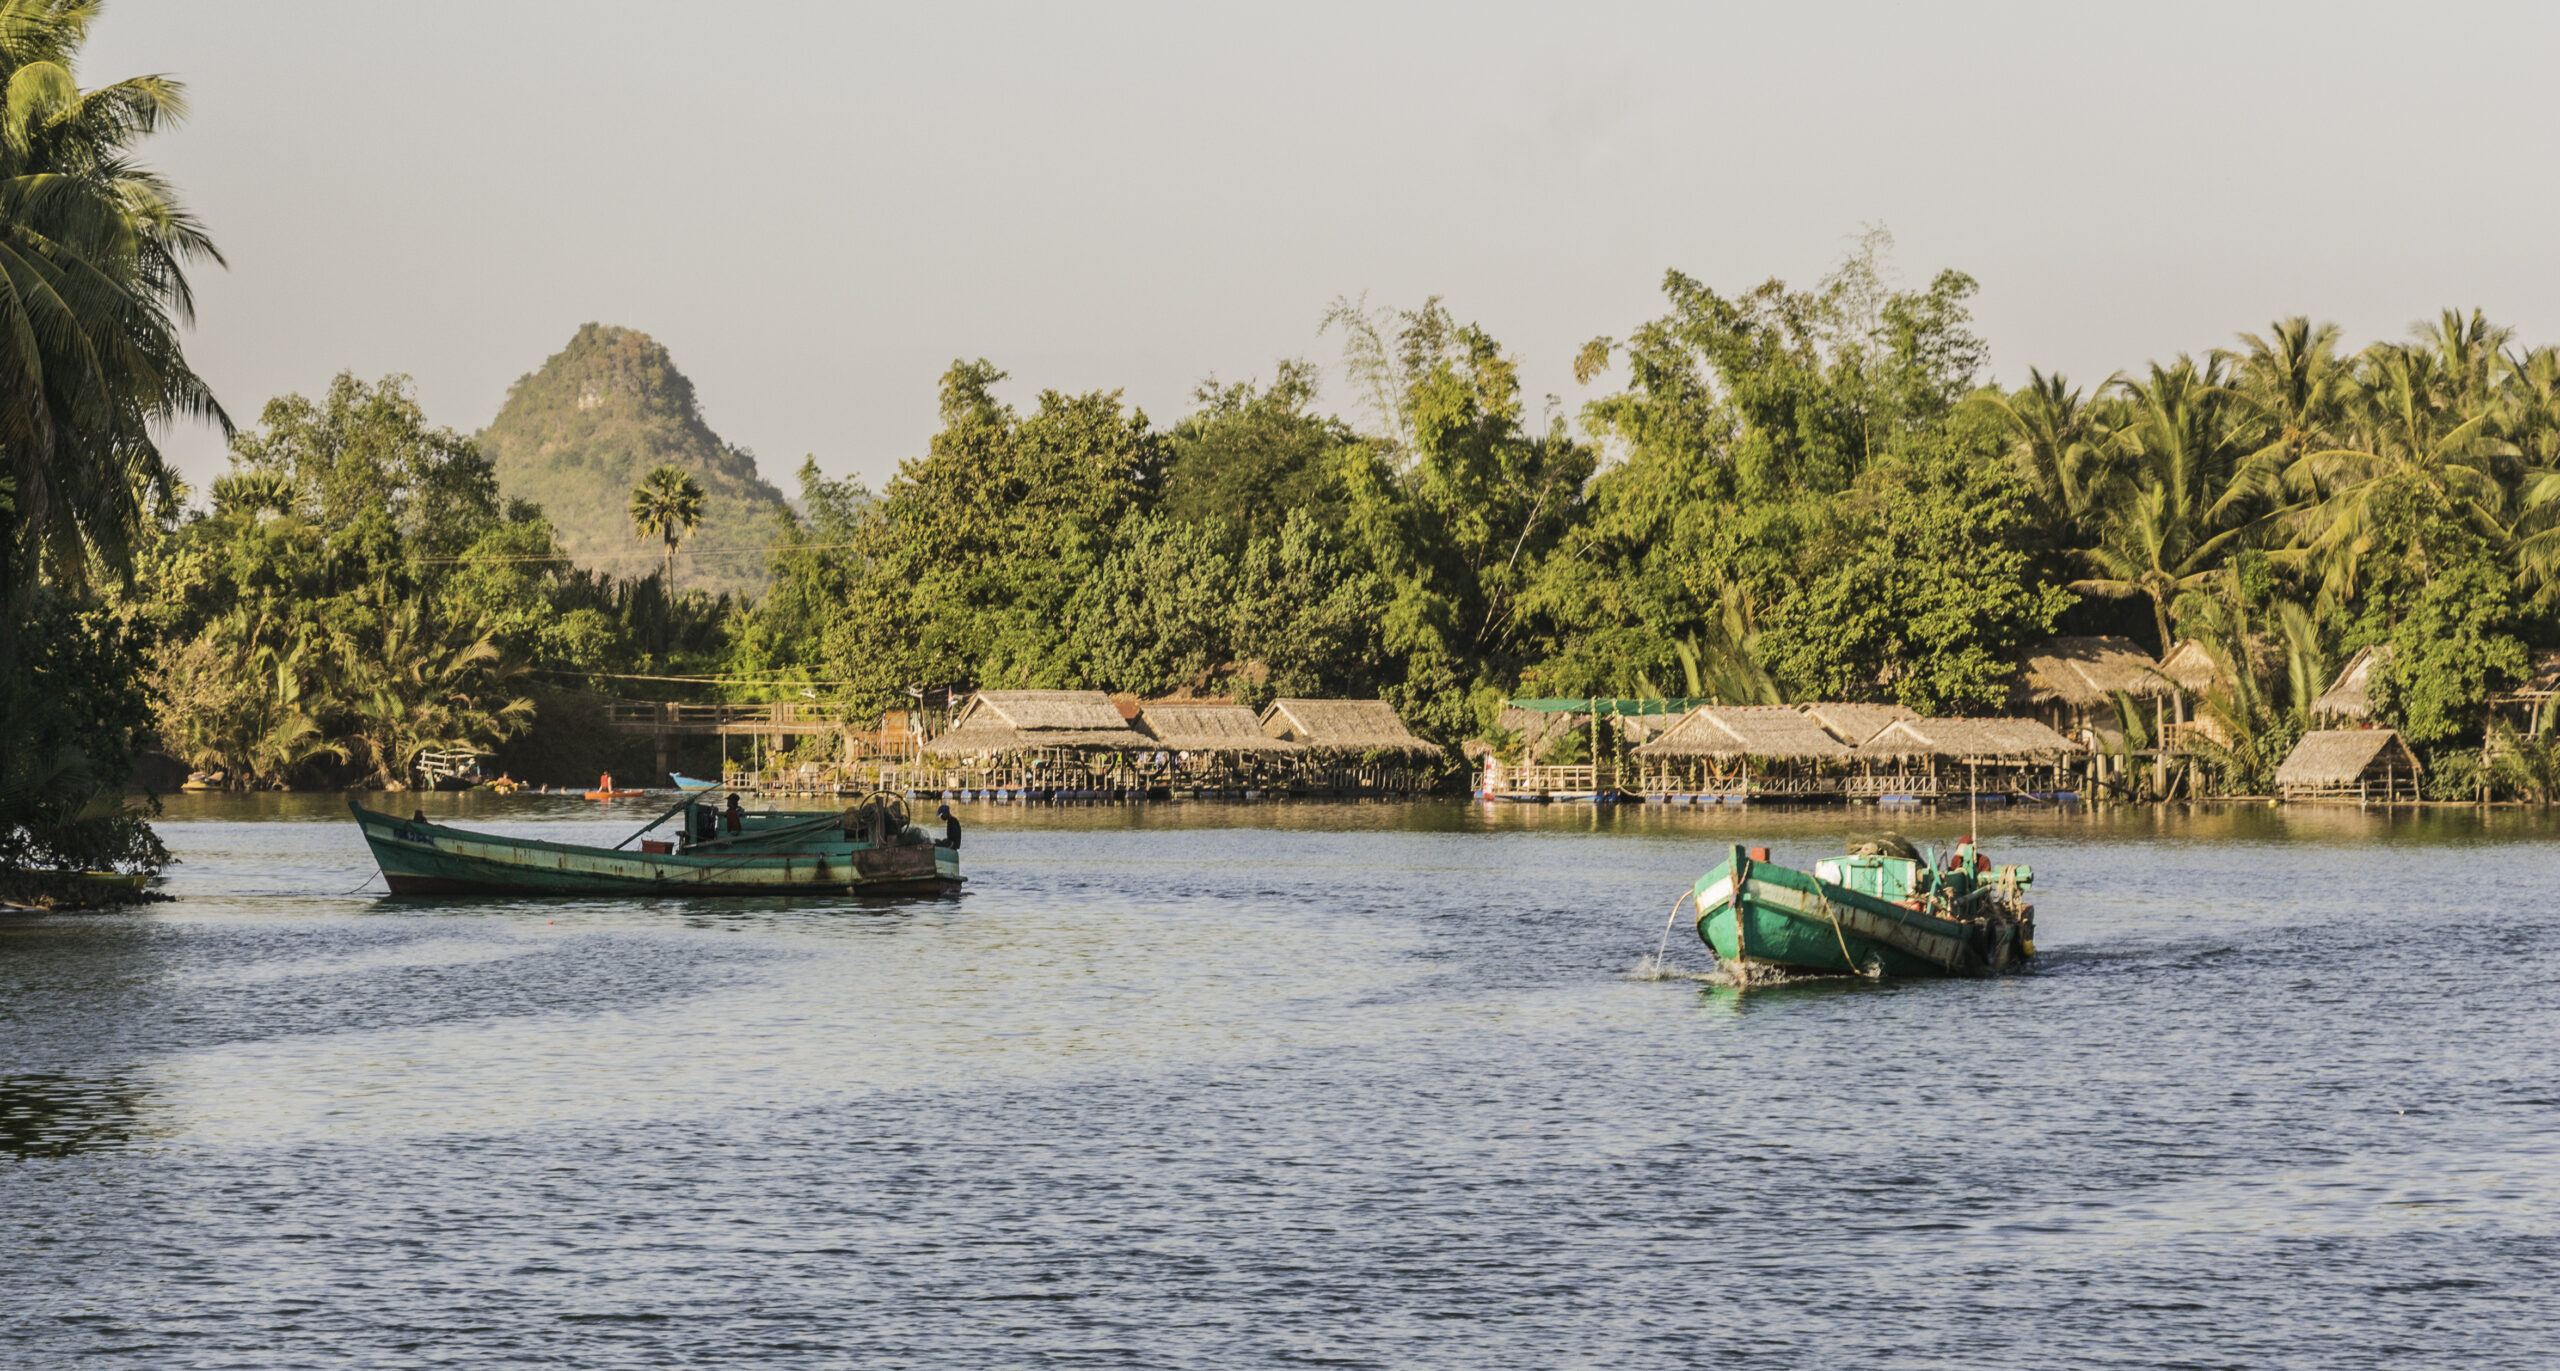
x=1653 y=969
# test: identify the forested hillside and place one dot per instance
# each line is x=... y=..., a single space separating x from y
x=577 y=435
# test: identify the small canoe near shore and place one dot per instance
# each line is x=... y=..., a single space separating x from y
x=868 y=849
x=1884 y=909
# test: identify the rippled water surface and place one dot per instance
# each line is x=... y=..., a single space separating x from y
x=1202 y=1085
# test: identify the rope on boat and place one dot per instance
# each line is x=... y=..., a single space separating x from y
x=1834 y=916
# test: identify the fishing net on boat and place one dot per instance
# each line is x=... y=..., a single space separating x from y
x=1886 y=845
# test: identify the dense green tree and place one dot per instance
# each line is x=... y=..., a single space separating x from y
x=1251 y=454
x=1456 y=506
x=1918 y=593
x=354 y=594
x=94 y=253
x=2458 y=643
x=970 y=559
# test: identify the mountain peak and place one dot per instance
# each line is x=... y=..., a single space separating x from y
x=578 y=434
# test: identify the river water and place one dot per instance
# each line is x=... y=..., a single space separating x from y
x=1262 y=1085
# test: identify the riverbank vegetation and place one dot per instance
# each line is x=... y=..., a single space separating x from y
x=1786 y=494
x=1775 y=493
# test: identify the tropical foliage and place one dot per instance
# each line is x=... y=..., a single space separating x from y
x=1791 y=494
x=94 y=252
x=357 y=593
x=1775 y=493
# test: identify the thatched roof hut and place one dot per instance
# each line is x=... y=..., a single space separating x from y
x=1210 y=728
x=997 y=721
x=2348 y=696
x=1970 y=740
x=2085 y=673
x=2192 y=666
x=2340 y=760
x=1762 y=732
x=1343 y=726
x=1854 y=723
x=2196 y=670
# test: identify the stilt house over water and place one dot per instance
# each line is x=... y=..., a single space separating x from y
x=1740 y=751
x=1216 y=747
x=2071 y=684
x=1037 y=738
x=1352 y=744
x=1855 y=723
x=1920 y=757
x=2366 y=765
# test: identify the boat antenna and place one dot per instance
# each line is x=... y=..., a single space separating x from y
x=1973 y=804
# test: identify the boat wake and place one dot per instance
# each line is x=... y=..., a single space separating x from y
x=1655 y=969
x=1751 y=976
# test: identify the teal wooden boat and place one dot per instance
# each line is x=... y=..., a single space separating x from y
x=1884 y=909
x=868 y=849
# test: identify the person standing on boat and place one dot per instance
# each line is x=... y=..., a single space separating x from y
x=736 y=813
x=950 y=829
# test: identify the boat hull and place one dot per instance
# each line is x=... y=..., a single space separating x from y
x=1787 y=920
x=420 y=858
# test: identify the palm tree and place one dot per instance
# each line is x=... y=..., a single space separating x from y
x=667 y=504
x=2528 y=419
x=2294 y=390
x=2469 y=356
x=244 y=699
x=2412 y=440
x=93 y=289
x=2057 y=441
x=2169 y=516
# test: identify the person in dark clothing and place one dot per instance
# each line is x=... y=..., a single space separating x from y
x=737 y=813
x=706 y=825
x=950 y=829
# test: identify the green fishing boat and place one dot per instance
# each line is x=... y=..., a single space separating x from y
x=868 y=849
x=1886 y=908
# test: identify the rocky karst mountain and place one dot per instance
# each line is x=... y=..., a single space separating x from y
x=577 y=435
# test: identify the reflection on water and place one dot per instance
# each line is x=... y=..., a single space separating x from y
x=55 y=1116
x=1239 y=1084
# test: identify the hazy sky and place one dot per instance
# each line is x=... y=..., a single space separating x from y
x=818 y=206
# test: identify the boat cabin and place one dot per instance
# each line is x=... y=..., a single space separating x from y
x=1886 y=878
